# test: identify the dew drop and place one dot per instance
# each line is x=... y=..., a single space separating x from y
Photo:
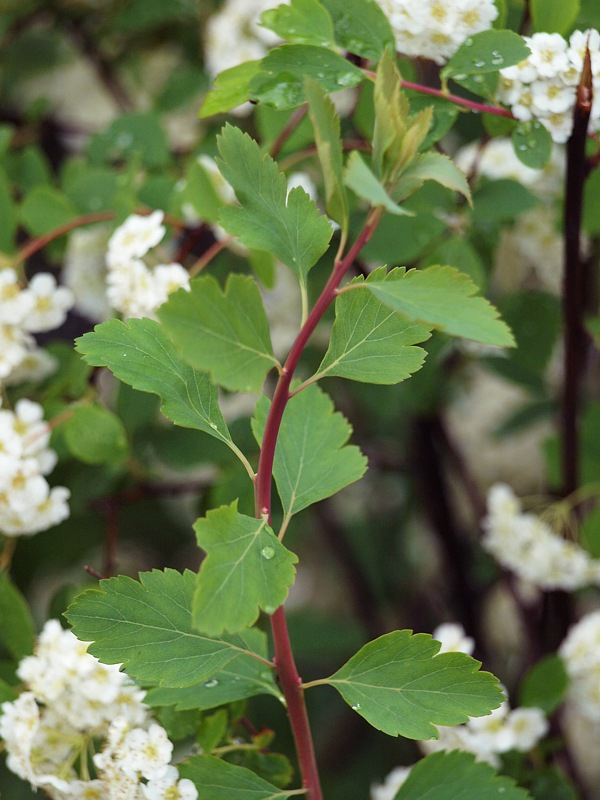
x=460 y=77
x=213 y=426
x=468 y=42
x=355 y=707
x=497 y=58
x=210 y=684
x=270 y=610
x=479 y=62
x=268 y=552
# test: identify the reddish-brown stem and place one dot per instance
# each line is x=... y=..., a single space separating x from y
x=287 y=130
x=78 y=222
x=289 y=679
x=460 y=101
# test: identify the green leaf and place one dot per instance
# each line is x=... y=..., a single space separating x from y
x=223 y=333
x=140 y=353
x=532 y=144
x=7 y=693
x=366 y=185
x=554 y=16
x=432 y=167
x=361 y=27
x=391 y=115
x=92 y=189
x=95 y=435
x=545 y=684
x=457 y=251
x=501 y=201
x=591 y=203
x=147 y=626
x=231 y=89
x=370 y=343
x=303 y=21
x=217 y=780
x=293 y=230
x=8 y=214
x=402 y=687
x=312 y=459
x=488 y=51
x=589 y=532
x=132 y=136
x=46 y=208
x=243 y=677
x=17 y=631
x=441 y=297
x=246 y=569
x=457 y=776
x=280 y=82
x=200 y=192
x=326 y=125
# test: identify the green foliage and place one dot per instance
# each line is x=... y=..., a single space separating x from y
x=545 y=684
x=361 y=27
x=312 y=459
x=370 y=343
x=147 y=626
x=223 y=333
x=132 y=136
x=441 y=297
x=241 y=678
x=488 y=51
x=17 y=630
x=554 y=16
x=280 y=82
x=95 y=435
x=501 y=201
x=218 y=780
x=246 y=569
x=293 y=229
x=326 y=125
x=231 y=88
x=456 y=776
x=532 y=143
x=302 y=21
x=365 y=184
x=8 y=213
x=403 y=687
x=140 y=353
x=45 y=209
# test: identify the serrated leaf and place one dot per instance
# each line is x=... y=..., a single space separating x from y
x=361 y=27
x=326 y=125
x=554 y=16
x=293 y=229
x=231 y=89
x=502 y=200
x=312 y=459
x=457 y=776
x=432 y=167
x=365 y=184
x=280 y=82
x=225 y=333
x=302 y=21
x=17 y=631
x=402 y=687
x=217 y=780
x=369 y=342
x=147 y=626
x=140 y=353
x=532 y=144
x=95 y=435
x=391 y=115
x=246 y=569
x=442 y=297
x=545 y=684
x=487 y=51
x=243 y=677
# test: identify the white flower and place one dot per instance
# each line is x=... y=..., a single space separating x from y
x=453 y=638
x=548 y=53
x=169 y=787
x=527 y=727
x=14 y=303
x=50 y=303
x=148 y=752
x=135 y=237
x=389 y=788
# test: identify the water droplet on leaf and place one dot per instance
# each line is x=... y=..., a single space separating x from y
x=355 y=707
x=268 y=552
x=479 y=62
x=210 y=684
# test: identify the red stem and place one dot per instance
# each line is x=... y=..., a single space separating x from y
x=461 y=101
x=289 y=679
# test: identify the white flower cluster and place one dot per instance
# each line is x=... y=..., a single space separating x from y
x=485 y=737
x=544 y=85
x=72 y=700
x=526 y=545
x=27 y=503
x=580 y=652
x=41 y=306
x=237 y=21
x=133 y=288
x=435 y=29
